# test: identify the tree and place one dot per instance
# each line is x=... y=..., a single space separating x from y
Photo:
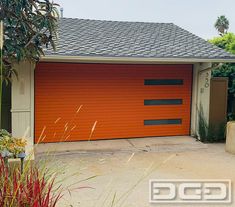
x=228 y=70
x=29 y=26
x=226 y=42
x=222 y=25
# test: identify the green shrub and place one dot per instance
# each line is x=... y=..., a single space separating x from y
x=210 y=133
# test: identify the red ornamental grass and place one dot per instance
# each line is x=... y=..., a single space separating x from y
x=27 y=190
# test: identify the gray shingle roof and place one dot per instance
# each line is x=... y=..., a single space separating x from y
x=80 y=37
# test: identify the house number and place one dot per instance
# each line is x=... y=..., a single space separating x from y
x=207 y=81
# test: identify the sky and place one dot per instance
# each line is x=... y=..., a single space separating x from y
x=197 y=16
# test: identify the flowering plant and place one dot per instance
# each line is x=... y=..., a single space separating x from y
x=11 y=146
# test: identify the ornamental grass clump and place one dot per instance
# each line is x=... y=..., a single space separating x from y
x=30 y=189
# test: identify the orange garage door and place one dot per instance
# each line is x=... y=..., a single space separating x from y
x=104 y=101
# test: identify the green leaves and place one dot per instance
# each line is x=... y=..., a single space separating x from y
x=226 y=42
x=227 y=70
x=29 y=27
x=222 y=25
x=4 y=133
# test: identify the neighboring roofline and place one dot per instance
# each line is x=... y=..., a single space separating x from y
x=133 y=60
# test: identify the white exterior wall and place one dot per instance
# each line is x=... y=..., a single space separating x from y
x=200 y=94
x=23 y=104
x=23 y=100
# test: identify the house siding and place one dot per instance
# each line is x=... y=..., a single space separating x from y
x=22 y=108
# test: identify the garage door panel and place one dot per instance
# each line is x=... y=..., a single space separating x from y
x=147 y=92
x=150 y=112
x=113 y=97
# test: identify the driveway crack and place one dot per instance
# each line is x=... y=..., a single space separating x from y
x=129 y=141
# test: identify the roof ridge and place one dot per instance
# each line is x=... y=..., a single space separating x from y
x=124 y=21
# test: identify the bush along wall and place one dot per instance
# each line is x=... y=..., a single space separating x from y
x=228 y=70
x=209 y=133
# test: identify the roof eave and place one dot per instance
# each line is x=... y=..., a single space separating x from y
x=133 y=60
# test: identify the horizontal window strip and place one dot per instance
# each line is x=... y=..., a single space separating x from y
x=163 y=82
x=162 y=121
x=163 y=102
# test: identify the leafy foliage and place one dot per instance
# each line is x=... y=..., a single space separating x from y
x=209 y=133
x=10 y=145
x=226 y=42
x=228 y=70
x=222 y=25
x=29 y=25
x=202 y=125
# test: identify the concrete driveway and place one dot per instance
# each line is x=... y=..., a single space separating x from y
x=96 y=173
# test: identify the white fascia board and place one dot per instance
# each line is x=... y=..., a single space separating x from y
x=133 y=60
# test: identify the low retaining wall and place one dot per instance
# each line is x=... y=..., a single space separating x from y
x=230 y=137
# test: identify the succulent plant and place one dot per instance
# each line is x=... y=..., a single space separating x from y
x=11 y=146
